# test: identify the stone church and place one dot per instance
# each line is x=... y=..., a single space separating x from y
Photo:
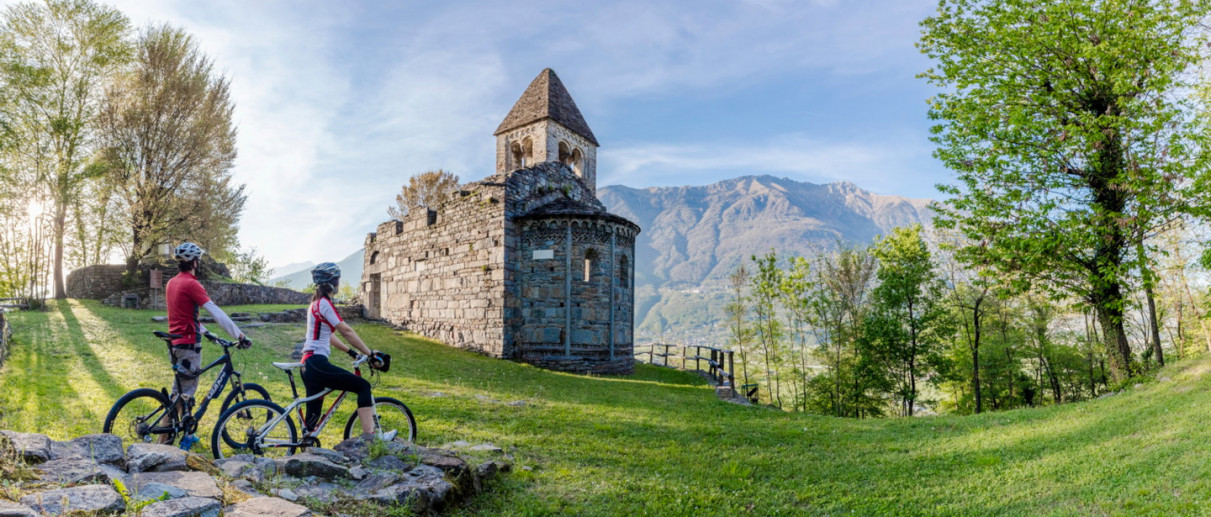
x=525 y=264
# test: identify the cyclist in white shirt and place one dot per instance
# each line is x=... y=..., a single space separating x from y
x=323 y=325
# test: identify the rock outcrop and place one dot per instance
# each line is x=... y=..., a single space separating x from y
x=96 y=475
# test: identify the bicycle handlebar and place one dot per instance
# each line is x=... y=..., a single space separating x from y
x=216 y=339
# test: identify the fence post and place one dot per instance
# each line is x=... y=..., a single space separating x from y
x=731 y=368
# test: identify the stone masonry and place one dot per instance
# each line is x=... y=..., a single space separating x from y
x=525 y=264
x=104 y=281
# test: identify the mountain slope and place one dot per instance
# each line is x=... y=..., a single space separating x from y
x=351 y=271
x=693 y=237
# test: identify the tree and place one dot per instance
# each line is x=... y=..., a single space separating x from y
x=55 y=59
x=739 y=330
x=908 y=294
x=425 y=190
x=250 y=268
x=768 y=329
x=1072 y=136
x=855 y=381
x=170 y=146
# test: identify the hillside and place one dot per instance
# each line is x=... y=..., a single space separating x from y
x=660 y=443
x=693 y=237
x=351 y=271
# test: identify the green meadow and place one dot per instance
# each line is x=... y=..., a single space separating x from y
x=659 y=442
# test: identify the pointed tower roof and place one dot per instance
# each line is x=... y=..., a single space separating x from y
x=546 y=98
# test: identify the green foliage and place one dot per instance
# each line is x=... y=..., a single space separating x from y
x=909 y=313
x=134 y=506
x=1104 y=456
x=427 y=190
x=1072 y=130
x=250 y=268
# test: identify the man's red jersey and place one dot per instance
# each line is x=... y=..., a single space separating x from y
x=184 y=296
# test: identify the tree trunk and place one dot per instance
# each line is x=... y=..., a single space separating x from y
x=1114 y=338
x=59 y=229
x=975 y=355
x=1156 y=329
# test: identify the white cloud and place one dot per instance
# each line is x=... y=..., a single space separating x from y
x=894 y=168
x=339 y=102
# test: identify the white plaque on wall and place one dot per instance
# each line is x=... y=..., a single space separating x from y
x=544 y=254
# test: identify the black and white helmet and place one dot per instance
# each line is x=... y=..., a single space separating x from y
x=187 y=252
x=326 y=273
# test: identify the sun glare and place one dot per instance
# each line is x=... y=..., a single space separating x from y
x=35 y=209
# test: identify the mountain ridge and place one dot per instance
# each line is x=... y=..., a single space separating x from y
x=694 y=236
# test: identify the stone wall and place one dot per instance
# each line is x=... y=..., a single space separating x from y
x=104 y=282
x=485 y=273
x=249 y=294
x=574 y=294
x=440 y=273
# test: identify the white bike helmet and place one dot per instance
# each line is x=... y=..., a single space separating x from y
x=187 y=252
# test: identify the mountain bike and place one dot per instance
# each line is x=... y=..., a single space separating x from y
x=264 y=428
x=147 y=415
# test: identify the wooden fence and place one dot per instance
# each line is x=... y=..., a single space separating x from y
x=719 y=362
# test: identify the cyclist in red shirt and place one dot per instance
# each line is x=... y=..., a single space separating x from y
x=184 y=296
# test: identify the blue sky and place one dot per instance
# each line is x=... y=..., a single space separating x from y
x=338 y=103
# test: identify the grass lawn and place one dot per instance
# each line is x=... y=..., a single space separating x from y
x=659 y=443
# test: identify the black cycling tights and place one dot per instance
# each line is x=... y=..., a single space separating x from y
x=319 y=374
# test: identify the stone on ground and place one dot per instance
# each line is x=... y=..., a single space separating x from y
x=150 y=491
x=8 y=509
x=75 y=471
x=101 y=448
x=267 y=507
x=155 y=457
x=308 y=464
x=184 y=507
x=89 y=498
x=34 y=448
x=196 y=484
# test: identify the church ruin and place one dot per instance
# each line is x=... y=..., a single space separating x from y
x=525 y=264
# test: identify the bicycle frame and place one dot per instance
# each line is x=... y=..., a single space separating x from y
x=298 y=404
x=226 y=373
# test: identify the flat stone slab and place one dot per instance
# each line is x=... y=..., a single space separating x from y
x=101 y=448
x=90 y=498
x=8 y=509
x=151 y=491
x=308 y=464
x=267 y=507
x=155 y=457
x=34 y=448
x=76 y=471
x=196 y=484
x=184 y=507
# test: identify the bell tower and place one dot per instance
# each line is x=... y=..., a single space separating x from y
x=546 y=126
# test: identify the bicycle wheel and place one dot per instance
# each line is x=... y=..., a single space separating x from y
x=251 y=391
x=258 y=427
x=136 y=418
x=392 y=415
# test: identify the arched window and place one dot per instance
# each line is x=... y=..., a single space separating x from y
x=565 y=154
x=576 y=160
x=624 y=272
x=590 y=256
x=374 y=257
x=515 y=156
x=527 y=153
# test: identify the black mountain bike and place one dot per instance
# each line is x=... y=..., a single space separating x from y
x=146 y=415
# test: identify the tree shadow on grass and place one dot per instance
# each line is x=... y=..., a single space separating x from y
x=88 y=357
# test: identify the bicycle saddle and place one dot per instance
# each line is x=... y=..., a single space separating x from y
x=288 y=366
x=165 y=335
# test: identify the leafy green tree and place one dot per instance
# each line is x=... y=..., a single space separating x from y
x=854 y=382
x=250 y=268
x=170 y=146
x=796 y=288
x=428 y=189
x=55 y=60
x=1071 y=130
x=768 y=327
x=740 y=332
x=909 y=293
